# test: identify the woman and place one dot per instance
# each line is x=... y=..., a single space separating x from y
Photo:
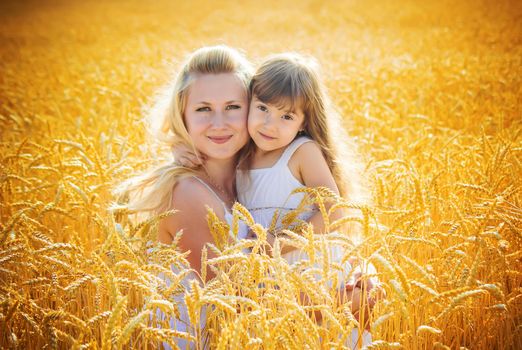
x=207 y=110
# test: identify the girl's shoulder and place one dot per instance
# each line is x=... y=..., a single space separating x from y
x=306 y=153
x=294 y=147
x=309 y=162
x=305 y=149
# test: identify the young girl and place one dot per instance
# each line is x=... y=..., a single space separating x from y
x=296 y=137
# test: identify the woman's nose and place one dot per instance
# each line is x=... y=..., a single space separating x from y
x=219 y=120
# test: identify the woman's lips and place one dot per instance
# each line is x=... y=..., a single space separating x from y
x=219 y=139
x=266 y=136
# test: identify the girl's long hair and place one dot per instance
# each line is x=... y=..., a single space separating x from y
x=292 y=80
x=151 y=191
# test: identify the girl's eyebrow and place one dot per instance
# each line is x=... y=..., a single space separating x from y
x=291 y=111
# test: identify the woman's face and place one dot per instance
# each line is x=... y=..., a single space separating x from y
x=216 y=115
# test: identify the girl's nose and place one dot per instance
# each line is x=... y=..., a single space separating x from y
x=268 y=119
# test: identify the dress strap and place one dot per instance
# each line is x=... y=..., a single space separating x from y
x=214 y=193
x=290 y=150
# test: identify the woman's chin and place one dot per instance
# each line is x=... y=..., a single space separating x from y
x=220 y=154
x=223 y=151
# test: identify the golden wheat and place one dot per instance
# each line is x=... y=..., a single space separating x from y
x=429 y=90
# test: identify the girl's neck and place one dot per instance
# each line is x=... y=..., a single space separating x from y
x=265 y=159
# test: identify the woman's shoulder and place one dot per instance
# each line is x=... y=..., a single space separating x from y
x=188 y=183
x=190 y=199
x=191 y=193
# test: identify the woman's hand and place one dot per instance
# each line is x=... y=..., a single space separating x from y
x=185 y=156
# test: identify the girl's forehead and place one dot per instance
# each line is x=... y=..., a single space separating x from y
x=216 y=88
x=284 y=103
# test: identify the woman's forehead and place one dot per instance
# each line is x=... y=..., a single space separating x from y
x=214 y=88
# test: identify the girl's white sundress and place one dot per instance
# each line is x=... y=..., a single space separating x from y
x=183 y=323
x=267 y=190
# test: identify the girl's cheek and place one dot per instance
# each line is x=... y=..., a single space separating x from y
x=251 y=121
x=253 y=118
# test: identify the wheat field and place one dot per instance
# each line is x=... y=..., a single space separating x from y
x=431 y=92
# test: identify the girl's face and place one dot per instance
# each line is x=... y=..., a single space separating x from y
x=273 y=127
x=216 y=115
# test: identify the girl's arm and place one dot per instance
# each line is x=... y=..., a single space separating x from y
x=185 y=156
x=191 y=198
x=309 y=163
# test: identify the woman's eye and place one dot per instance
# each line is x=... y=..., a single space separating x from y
x=262 y=108
x=230 y=107
x=203 y=109
x=287 y=117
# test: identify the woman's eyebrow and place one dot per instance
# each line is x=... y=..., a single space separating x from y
x=208 y=103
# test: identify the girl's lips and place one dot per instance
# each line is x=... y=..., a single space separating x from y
x=266 y=136
x=219 y=139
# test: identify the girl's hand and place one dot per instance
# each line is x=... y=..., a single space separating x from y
x=251 y=234
x=369 y=289
x=185 y=156
x=370 y=285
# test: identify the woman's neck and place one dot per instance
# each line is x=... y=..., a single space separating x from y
x=222 y=173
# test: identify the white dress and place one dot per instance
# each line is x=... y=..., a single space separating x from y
x=183 y=323
x=267 y=191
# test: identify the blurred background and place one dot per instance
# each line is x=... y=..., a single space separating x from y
x=430 y=92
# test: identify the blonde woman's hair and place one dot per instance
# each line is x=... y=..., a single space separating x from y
x=151 y=191
x=292 y=80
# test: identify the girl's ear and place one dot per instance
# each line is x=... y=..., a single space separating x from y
x=302 y=129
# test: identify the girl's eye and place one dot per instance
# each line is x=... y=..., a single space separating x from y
x=287 y=117
x=262 y=108
x=203 y=109
x=230 y=107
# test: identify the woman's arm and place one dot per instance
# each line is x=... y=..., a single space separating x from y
x=190 y=198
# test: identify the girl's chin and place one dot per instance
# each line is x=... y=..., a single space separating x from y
x=266 y=147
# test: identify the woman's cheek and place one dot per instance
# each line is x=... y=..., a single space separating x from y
x=201 y=121
x=239 y=119
x=196 y=128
